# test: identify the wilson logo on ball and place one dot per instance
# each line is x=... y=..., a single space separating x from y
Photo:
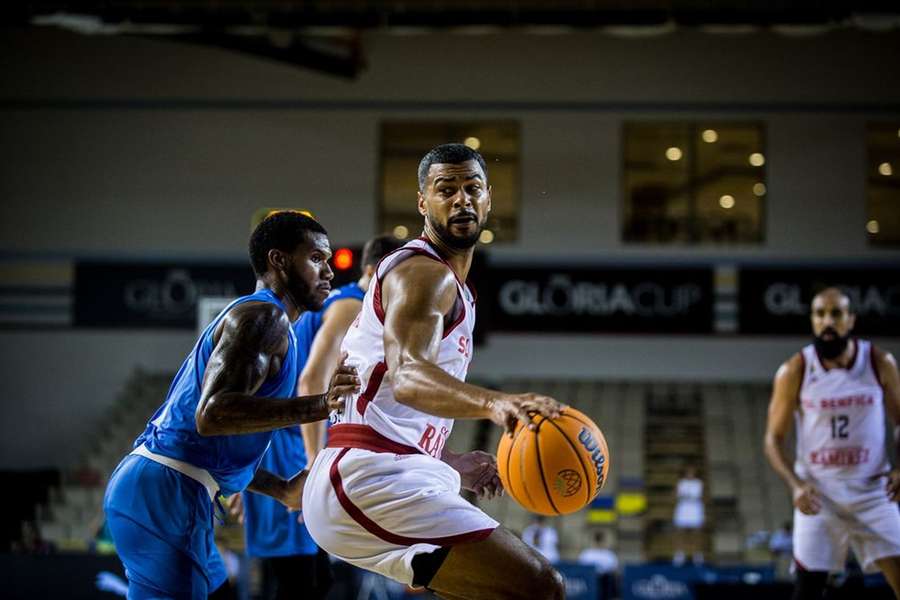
x=590 y=444
x=567 y=482
x=549 y=469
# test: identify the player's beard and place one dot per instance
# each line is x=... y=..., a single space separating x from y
x=302 y=294
x=832 y=348
x=454 y=241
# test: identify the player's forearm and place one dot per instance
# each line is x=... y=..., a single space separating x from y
x=313 y=439
x=313 y=433
x=428 y=388
x=234 y=413
x=314 y=381
x=774 y=449
x=268 y=484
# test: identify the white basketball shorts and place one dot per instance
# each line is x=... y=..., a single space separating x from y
x=855 y=513
x=376 y=508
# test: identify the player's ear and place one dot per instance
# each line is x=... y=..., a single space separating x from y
x=420 y=203
x=277 y=259
x=851 y=322
x=490 y=193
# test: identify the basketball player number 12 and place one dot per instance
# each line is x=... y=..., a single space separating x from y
x=839 y=426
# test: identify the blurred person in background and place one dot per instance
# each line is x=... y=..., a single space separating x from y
x=689 y=517
x=839 y=391
x=781 y=545
x=602 y=557
x=542 y=536
x=207 y=438
x=292 y=565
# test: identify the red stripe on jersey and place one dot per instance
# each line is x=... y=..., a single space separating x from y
x=459 y=319
x=874 y=364
x=472 y=291
x=372 y=388
x=348 y=435
x=392 y=538
x=376 y=294
x=376 y=300
x=800 y=565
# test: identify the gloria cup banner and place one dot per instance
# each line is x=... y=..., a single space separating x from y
x=114 y=294
x=632 y=299
x=776 y=301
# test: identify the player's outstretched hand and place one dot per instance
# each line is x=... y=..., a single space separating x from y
x=344 y=382
x=477 y=472
x=510 y=409
x=893 y=485
x=293 y=491
x=236 y=508
x=806 y=499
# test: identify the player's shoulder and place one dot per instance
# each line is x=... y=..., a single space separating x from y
x=258 y=309
x=882 y=359
x=422 y=282
x=792 y=368
x=423 y=270
x=350 y=291
x=259 y=316
x=343 y=305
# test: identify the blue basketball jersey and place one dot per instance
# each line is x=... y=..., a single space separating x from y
x=172 y=431
x=270 y=529
x=309 y=323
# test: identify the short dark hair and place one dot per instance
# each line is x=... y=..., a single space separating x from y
x=449 y=154
x=283 y=230
x=379 y=247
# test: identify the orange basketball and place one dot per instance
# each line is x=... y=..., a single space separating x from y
x=556 y=469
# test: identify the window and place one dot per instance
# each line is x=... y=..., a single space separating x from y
x=404 y=143
x=883 y=183
x=694 y=183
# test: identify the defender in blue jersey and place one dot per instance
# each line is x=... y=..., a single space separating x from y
x=234 y=388
x=292 y=565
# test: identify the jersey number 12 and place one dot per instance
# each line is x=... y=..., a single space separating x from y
x=839 y=427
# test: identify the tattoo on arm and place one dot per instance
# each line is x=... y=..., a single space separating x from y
x=251 y=347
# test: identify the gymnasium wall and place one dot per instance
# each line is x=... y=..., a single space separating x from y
x=129 y=147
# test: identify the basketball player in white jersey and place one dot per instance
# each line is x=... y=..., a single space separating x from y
x=384 y=493
x=839 y=391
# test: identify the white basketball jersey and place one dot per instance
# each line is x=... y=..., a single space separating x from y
x=841 y=420
x=375 y=405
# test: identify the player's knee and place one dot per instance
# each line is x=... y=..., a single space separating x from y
x=550 y=584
